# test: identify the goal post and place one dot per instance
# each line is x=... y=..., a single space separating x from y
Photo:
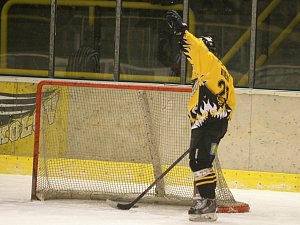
x=99 y=140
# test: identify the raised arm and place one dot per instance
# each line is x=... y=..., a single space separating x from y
x=194 y=49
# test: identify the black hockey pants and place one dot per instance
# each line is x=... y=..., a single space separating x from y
x=203 y=146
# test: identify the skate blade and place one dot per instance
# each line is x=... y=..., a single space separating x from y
x=209 y=217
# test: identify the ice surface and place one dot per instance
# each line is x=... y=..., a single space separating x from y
x=266 y=208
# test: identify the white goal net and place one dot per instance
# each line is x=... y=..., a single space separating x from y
x=112 y=140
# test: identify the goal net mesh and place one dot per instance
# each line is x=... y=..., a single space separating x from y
x=107 y=140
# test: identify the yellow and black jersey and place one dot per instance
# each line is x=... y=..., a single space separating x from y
x=213 y=96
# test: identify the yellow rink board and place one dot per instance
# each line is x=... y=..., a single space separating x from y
x=125 y=171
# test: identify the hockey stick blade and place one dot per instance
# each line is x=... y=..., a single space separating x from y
x=131 y=204
x=119 y=205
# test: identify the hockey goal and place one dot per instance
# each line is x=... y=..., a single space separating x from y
x=111 y=140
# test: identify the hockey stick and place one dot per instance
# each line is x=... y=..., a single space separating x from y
x=131 y=204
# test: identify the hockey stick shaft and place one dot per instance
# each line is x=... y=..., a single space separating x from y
x=131 y=204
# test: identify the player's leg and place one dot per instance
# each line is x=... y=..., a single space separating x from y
x=204 y=176
x=204 y=144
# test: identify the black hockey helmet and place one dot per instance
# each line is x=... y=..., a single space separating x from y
x=209 y=42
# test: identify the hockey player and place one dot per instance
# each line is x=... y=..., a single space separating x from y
x=211 y=105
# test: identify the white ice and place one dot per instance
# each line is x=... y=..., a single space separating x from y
x=266 y=208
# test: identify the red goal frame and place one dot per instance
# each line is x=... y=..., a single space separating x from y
x=119 y=85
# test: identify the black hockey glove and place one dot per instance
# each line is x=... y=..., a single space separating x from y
x=175 y=23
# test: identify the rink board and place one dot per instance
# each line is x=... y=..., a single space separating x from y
x=239 y=179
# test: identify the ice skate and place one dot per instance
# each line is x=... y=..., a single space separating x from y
x=203 y=211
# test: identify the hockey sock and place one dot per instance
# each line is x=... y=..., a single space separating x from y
x=205 y=180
